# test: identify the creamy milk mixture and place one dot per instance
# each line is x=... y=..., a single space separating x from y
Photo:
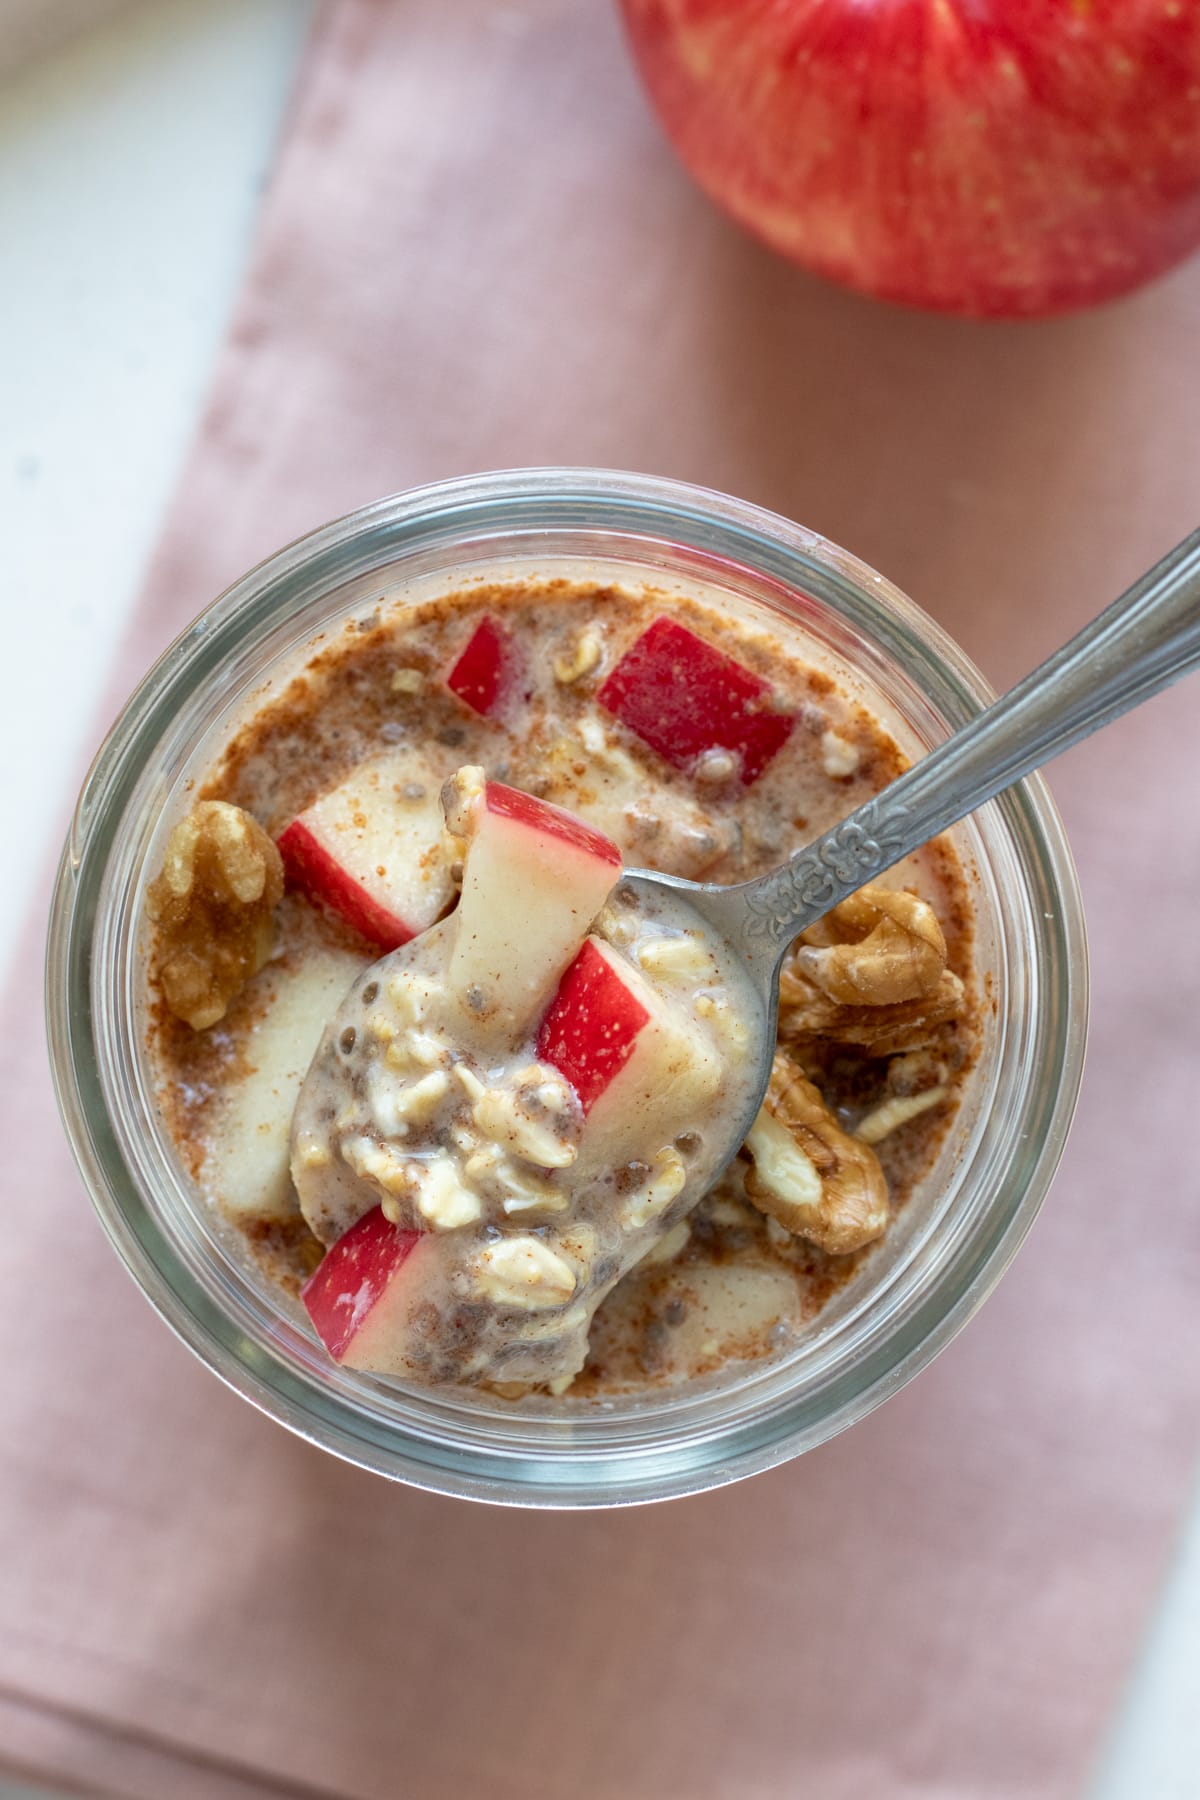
x=550 y=1240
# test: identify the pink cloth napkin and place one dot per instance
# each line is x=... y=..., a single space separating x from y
x=477 y=252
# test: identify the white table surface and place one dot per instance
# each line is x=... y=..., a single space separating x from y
x=131 y=166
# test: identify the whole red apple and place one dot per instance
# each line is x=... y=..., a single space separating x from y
x=991 y=157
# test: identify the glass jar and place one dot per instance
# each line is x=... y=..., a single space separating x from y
x=946 y=1248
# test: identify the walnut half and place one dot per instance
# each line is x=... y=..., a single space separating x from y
x=805 y=1015
x=213 y=904
x=810 y=1175
x=872 y=973
x=880 y=947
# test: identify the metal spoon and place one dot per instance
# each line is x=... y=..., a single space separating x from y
x=1139 y=645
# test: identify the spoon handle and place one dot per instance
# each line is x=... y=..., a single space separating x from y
x=1137 y=646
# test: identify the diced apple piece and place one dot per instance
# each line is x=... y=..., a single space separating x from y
x=593 y=1023
x=248 y=1163
x=364 y=1294
x=723 y=1311
x=534 y=879
x=374 y=849
x=640 y=1066
x=728 y=1311
x=684 y=697
x=487 y=675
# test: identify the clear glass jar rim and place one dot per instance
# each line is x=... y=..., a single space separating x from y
x=632 y=507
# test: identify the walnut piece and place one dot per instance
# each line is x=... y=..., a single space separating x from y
x=880 y=947
x=579 y=657
x=811 y=1176
x=873 y=973
x=806 y=1014
x=891 y=1114
x=213 y=904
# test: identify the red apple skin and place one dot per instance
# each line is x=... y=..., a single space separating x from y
x=552 y=822
x=682 y=697
x=310 y=867
x=591 y=1027
x=996 y=158
x=353 y=1278
x=486 y=672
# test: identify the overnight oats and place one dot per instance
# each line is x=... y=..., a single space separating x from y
x=462 y=1093
x=411 y=1114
